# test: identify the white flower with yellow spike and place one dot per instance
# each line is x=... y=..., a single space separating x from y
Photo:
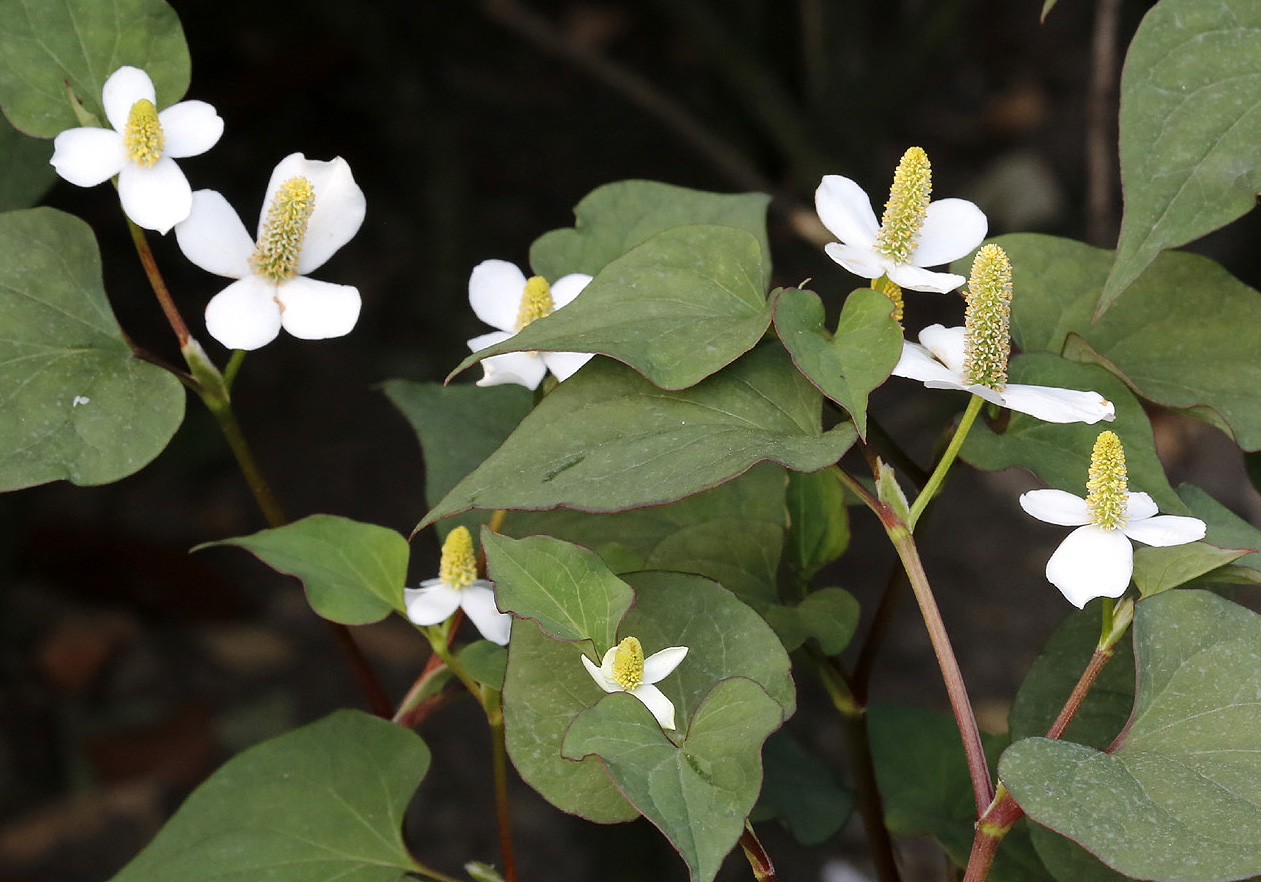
x=504 y=298
x=1097 y=559
x=141 y=149
x=457 y=587
x=914 y=233
x=624 y=669
x=310 y=210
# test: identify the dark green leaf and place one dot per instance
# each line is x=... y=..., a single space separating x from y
x=1225 y=528
x=818 y=521
x=485 y=662
x=830 y=615
x=26 y=174
x=78 y=405
x=801 y=792
x=1159 y=569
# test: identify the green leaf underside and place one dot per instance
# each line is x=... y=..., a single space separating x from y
x=45 y=43
x=608 y=440
x=76 y=404
x=676 y=308
x=353 y=572
x=1180 y=800
x=800 y=791
x=26 y=174
x=321 y=803
x=614 y=218
x=1189 y=128
x=848 y=365
x=567 y=589
x=699 y=792
x=1059 y=453
x=1184 y=335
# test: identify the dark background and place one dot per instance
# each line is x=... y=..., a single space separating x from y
x=130 y=669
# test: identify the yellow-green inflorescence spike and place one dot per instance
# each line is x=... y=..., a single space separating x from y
x=908 y=202
x=536 y=301
x=458 y=567
x=1106 y=495
x=143 y=141
x=280 y=241
x=628 y=664
x=893 y=291
x=987 y=338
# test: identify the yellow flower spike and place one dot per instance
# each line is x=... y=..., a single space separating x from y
x=628 y=664
x=893 y=291
x=536 y=301
x=1107 y=486
x=280 y=241
x=908 y=202
x=987 y=338
x=143 y=141
x=458 y=567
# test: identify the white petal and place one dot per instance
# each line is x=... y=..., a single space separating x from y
x=189 y=128
x=566 y=288
x=523 y=368
x=862 y=262
x=1056 y=507
x=244 y=315
x=846 y=211
x=661 y=663
x=125 y=87
x=340 y=208
x=478 y=603
x=654 y=699
x=1140 y=507
x=952 y=228
x=156 y=198
x=477 y=344
x=1165 y=530
x=599 y=676
x=213 y=237
x=312 y=310
x=495 y=288
x=1090 y=563
x=88 y=156
x=946 y=344
x=917 y=279
x=1058 y=405
x=565 y=364
x=917 y=363
x=431 y=603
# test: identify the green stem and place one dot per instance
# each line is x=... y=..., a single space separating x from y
x=499 y=757
x=947 y=460
x=429 y=873
x=156 y=282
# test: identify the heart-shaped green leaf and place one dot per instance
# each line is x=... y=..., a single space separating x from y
x=1159 y=569
x=847 y=365
x=319 y=804
x=1190 y=125
x=45 y=43
x=353 y=573
x=1180 y=799
x=606 y=423
x=77 y=404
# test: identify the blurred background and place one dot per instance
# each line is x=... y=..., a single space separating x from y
x=129 y=669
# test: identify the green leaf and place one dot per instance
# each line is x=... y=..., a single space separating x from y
x=818 y=521
x=1225 y=528
x=830 y=615
x=732 y=534
x=1179 y=799
x=77 y=405
x=699 y=792
x=607 y=439
x=1159 y=569
x=353 y=573
x=614 y=218
x=26 y=174
x=45 y=43
x=801 y=792
x=1184 y=336
x=677 y=308
x=1046 y=8
x=847 y=365
x=1190 y=125
x=321 y=803
x=1059 y=453
x=485 y=662
x=568 y=590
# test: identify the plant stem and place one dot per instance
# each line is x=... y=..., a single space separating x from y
x=150 y=265
x=759 y=860
x=499 y=757
x=947 y=460
x=1100 y=658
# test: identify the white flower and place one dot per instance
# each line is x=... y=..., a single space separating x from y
x=938 y=364
x=458 y=588
x=1096 y=559
x=624 y=669
x=503 y=298
x=914 y=233
x=141 y=149
x=310 y=210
